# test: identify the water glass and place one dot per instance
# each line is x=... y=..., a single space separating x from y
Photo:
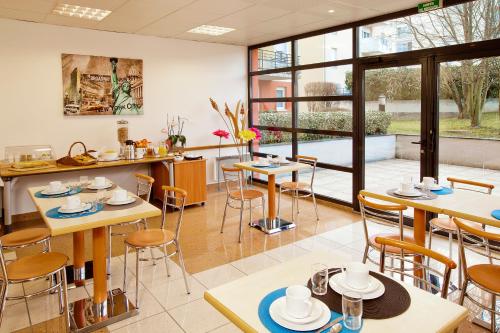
x=319 y=279
x=84 y=181
x=99 y=196
x=352 y=310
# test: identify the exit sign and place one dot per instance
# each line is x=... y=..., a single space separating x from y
x=429 y=5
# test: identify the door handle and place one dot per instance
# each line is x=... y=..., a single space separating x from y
x=416 y=142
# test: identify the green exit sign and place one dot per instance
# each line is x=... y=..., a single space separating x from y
x=429 y=5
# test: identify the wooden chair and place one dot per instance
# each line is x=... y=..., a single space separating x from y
x=143 y=191
x=300 y=189
x=447 y=225
x=384 y=214
x=421 y=279
x=45 y=265
x=158 y=238
x=237 y=195
x=485 y=276
x=27 y=237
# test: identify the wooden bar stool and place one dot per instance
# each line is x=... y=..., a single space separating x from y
x=300 y=189
x=144 y=186
x=485 y=276
x=26 y=237
x=44 y=265
x=158 y=238
x=238 y=194
x=447 y=225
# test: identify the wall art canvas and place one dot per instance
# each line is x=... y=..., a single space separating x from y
x=94 y=85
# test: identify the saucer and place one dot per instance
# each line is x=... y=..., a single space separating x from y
x=261 y=165
x=372 y=284
x=47 y=191
x=92 y=186
x=408 y=194
x=83 y=207
x=276 y=309
x=316 y=312
x=337 y=283
x=118 y=203
x=436 y=187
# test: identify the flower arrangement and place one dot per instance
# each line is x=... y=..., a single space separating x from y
x=174 y=131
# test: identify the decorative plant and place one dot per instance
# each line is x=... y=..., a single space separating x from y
x=221 y=134
x=174 y=130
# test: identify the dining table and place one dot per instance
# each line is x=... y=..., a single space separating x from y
x=273 y=223
x=239 y=300
x=106 y=306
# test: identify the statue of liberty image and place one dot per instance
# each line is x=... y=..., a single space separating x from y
x=124 y=103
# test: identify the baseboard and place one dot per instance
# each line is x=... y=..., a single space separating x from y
x=24 y=217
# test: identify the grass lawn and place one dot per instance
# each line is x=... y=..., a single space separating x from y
x=490 y=127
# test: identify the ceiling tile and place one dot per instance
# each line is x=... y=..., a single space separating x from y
x=100 y=4
x=386 y=6
x=39 y=6
x=221 y=7
x=250 y=16
x=21 y=15
x=287 y=22
x=70 y=21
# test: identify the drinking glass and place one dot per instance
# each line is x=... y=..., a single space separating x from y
x=352 y=309
x=319 y=279
x=84 y=181
x=99 y=196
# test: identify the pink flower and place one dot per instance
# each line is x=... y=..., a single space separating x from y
x=258 y=134
x=221 y=134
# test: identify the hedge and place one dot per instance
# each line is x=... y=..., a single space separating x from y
x=376 y=122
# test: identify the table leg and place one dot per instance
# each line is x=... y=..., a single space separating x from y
x=419 y=223
x=271 y=197
x=79 y=258
x=7 y=204
x=100 y=276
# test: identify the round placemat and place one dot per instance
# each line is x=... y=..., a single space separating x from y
x=54 y=212
x=89 y=190
x=392 y=303
x=72 y=191
x=496 y=214
x=424 y=196
x=443 y=191
x=136 y=203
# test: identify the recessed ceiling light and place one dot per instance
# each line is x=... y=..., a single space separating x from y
x=331 y=11
x=211 y=30
x=81 y=12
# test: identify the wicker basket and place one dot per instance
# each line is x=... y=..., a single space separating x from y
x=70 y=160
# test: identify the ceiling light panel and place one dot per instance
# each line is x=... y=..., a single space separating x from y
x=211 y=30
x=76 y=11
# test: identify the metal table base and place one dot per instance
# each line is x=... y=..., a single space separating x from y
x=83 y=314
x=272 y=226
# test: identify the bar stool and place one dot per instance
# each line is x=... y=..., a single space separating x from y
x=448 y=226
x=144 y=186
x=25 y=238
x=158 y=238
x=46 y=265
x=485 y=276
x=237 y=193
x=300 y=189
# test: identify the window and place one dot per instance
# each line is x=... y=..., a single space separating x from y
x=280 y=93
x=326 y=47
x=325 y=81
x=271 y=57
x=365 y=34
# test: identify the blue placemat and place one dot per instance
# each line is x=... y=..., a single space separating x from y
x=272 y=326
x=443 y=191
x=496 y=214
x=271 y=166
x=73 y=191
x=54 y=214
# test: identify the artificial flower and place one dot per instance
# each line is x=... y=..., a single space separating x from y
x=258 y=134
x=221 y=134
x=247 y=135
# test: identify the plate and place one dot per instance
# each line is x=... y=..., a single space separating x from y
x=261 y=165
x=408 y=194
x=108 y=159
x=61 y=191
x=94 y=187
x=336 y=284
x=436 y=187
x=286 y=162
x=373 y=284
x=275 y=312
x=83 y=207
x=316 y=312
x=118 y=203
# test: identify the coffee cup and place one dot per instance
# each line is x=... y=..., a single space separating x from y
x=428 y=181
x=357 y=275
x=55 y=186
x=120 y=195
x=73 y=202
x=407 y=187
x=139 y=152
x=298 y=301
x=99 y=181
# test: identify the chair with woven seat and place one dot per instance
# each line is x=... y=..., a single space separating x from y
x=237 y=194
x=39 y=266
x=485 y=276
x=423 y=276
x=447 y=225
x=159 y=238
x=144 y=185
x=299 y=189
x=386 y=214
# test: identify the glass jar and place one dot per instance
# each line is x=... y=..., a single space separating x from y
x=122 y=131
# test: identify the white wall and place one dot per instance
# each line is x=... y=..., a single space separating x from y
x=179 y=77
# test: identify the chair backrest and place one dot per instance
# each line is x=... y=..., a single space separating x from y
x=424 y=268
x=381 y=213
x=483 y=243
x=144 y=185
x=234 y=180
x=312 y=161
x=470 y=185
x=3 y=267
x=175 y=198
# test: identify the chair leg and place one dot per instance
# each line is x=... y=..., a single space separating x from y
x=152 y=256
x=315 y=205
x=224 y=216
x=183 y=267
x=66 y=301
x=264 y=210
x=464 y=290
x=293 y=205
x=430 y=243
x=166 y=260
x=493 y=316
x=241 y=220
x=125 y=269
x=250 y=210
x=108 y=268
x=298 y=211
x=137 y=260
x=3 y=299
x=58 y=277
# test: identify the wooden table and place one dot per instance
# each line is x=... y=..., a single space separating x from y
x=427 y=312
x=103 y=311
x=273 y=223
x=10 y=177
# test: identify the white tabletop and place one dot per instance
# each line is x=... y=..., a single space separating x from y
x=294 y=166
x=239 y=300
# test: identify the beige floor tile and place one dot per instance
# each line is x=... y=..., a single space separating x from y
x=287 y=252
x=172 y=293
x=160 y=323
x=197 y=317
x=219 y=275
x=317 y=243
x=15 y=318
x=229 y=328
x=254 y=263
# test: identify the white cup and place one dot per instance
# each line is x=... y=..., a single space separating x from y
x=428 y=181
x=407 y=187
x=55 y=185
x=357 y=275
x=99 y=181
x=139 y=152
x=120 y=195
x=73 y=202
x=298 y=301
